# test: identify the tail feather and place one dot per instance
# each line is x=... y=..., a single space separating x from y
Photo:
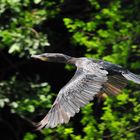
x=132 y=77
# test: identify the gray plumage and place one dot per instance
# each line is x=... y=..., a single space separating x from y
x=92 y=77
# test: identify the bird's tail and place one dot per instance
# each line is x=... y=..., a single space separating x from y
x=132 y=77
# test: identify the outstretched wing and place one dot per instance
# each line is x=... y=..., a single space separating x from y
x=119 y=70
x=78 y=92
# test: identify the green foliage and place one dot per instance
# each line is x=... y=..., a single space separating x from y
x=28 y=100
x=29 y=136
x=21 y=35
x=109 y=30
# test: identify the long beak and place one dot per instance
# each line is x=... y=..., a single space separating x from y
x=39 y=57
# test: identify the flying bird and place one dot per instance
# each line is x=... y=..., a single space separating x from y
x=92 y=77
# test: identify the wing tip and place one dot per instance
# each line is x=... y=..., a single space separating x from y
x=132 y=77
x=60 y=117
x=38 y=126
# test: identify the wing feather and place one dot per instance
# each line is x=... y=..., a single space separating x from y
x=114 y=84
x=77 y=93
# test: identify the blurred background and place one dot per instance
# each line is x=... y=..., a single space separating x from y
x=101 y=29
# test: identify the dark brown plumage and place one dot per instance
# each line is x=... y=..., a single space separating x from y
x=92 y=77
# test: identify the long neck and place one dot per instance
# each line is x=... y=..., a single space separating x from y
x=60 y=58
x=72 y=61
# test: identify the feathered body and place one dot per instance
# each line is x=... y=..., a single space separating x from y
x=92 y=77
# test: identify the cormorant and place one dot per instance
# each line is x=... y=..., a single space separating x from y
x=92 y=77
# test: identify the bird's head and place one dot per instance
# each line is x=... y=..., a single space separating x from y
x=52 y=57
